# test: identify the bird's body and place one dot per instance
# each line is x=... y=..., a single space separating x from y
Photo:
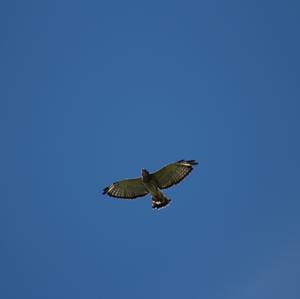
x=152 y=183
x=159 y=200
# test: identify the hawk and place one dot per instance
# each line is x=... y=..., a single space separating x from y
x=152 y=183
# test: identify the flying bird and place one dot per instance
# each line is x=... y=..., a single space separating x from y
x=152 y=183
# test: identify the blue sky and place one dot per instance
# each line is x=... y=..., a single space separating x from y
x=92 y=91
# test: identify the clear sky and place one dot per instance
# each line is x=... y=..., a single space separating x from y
x=92 y=91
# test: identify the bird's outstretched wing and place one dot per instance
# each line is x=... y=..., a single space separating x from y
x=173 y=173
x=128 y=189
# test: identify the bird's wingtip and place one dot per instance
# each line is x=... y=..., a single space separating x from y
x=193 y=162
x=105 y=190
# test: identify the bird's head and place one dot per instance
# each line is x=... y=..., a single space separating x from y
x=145 y=173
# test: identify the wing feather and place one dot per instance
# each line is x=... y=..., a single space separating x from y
x=173 y=173
x=128 y=189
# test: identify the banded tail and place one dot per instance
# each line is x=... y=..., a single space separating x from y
x=160 y=202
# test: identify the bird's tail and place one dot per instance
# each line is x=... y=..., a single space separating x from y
x=160 y=202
